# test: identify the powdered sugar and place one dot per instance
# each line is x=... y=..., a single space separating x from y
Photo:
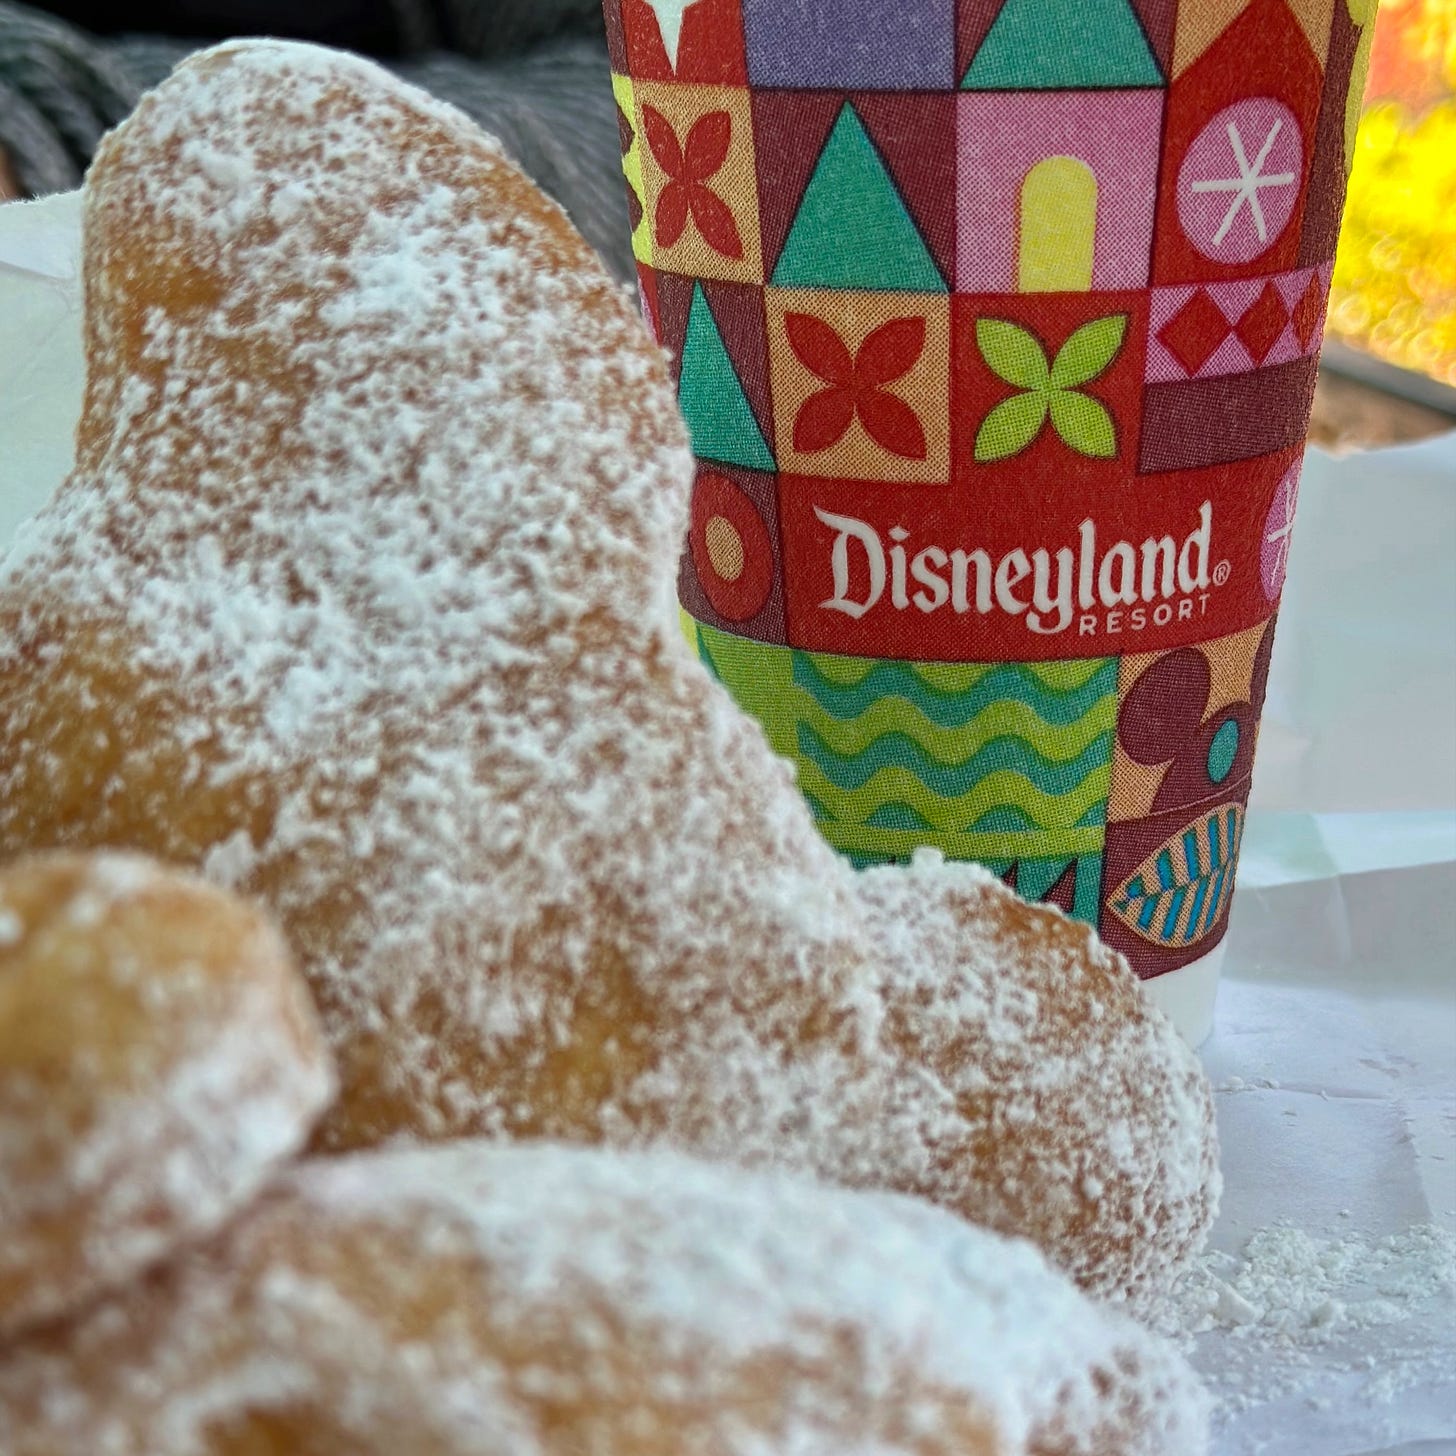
x=1292 y=1307
x=368 y=565
x=144 y=1096
x=1291 y=1285
x=647 y=1284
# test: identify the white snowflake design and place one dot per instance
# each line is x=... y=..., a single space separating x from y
x=1245 y=187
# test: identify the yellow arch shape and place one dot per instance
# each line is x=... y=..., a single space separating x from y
x=1058 y=227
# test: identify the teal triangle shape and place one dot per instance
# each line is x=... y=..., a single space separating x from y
x=718 y=413
x=852 y=229
x=1055 y=45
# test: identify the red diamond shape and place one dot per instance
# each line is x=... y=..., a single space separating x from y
x=1309 y=311
x=1195 y=331
x=1262 y=324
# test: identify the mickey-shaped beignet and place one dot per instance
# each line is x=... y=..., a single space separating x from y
x=360 y=599
x=159 y=1058
x=469 y=1300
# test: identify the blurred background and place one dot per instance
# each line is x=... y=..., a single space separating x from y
x=1394 y=295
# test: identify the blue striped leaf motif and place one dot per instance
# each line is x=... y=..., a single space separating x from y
x=1178 y=894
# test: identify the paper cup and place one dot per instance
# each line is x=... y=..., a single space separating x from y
x=996 y=326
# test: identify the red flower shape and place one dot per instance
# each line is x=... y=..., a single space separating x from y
x=688 y=169
x=857 y=386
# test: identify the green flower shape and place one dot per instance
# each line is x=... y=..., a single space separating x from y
x=1016 y=355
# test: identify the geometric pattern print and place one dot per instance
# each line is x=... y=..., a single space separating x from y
x=698 y=168
x=1019 y=254
x=1196 y=331
x=1182 y=768
x=1179 y=894
x=1199 y=26
x=861 y=383
x=1005 y=763
x=1043 y=185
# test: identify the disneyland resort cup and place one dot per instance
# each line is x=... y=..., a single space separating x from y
x=996 y=326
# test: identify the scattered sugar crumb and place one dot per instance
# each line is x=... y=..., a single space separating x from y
x=1260 y=1321
x=1295 y=1286
x=1247 y=1084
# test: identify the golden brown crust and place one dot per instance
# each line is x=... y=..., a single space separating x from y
x=158 y=1059
x=544 y=1301
x=360 y=601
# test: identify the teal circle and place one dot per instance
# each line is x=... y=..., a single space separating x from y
x=1222 y=751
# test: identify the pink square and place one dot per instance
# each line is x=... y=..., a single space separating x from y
x=1002 y=136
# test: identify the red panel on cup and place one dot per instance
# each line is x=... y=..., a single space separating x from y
x=1238 y=141
x=1062 y=570
x=699 y=41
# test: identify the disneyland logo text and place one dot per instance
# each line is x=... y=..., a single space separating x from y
x=1120 y=587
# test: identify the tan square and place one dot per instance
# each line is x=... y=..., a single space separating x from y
x=1199 y=25
x=701 y=183
x=861 y=384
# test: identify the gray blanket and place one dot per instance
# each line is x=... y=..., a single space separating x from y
x=532 y=72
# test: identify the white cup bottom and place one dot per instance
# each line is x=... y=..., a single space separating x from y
x=1188 y=995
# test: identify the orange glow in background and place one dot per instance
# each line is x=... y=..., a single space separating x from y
x=1395 y=276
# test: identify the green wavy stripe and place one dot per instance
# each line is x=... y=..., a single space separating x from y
x=951 y=679
x=761 y=678
x=993 y=686
x=996 y=722
x=866 y=845
x=1008 y=819
x=953 y=780
x=895 y=783
x=899 y=816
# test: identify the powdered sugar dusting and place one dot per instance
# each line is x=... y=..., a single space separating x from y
x=879 y=1325
x=143 y=1099
x=368 y=564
